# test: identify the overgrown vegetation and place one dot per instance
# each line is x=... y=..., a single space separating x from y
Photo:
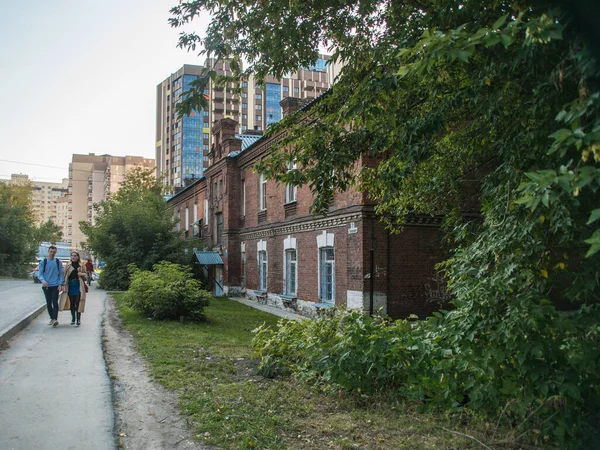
x=134 y=226
x=228 y=404
x=167 y=292
x=491 y=106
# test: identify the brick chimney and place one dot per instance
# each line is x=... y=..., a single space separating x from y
x=222 y=131
x=290 y=105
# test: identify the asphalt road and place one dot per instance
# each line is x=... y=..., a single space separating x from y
x=18 y=298
x=54 y=388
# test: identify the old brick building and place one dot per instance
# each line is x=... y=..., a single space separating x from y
x=264 y=244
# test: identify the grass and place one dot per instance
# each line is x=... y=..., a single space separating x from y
x=209 y=364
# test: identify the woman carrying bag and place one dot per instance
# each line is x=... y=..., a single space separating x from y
x=74 y=289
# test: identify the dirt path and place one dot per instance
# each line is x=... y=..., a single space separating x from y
x=146 y=414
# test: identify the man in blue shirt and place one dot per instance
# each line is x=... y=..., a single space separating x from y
x=52 y=276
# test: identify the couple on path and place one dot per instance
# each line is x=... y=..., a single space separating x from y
x=68 y=282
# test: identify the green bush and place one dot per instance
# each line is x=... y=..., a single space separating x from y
x=167 y=292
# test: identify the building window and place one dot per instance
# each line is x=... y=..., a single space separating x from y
x=187 y=219
x=244 y=116
x=296 y=90
x=290 y=189
x=195 y=212
x=219 y=227
x=290 y=271
x=206 y=91
x=258 y=96
x=244 y=84
x=205 y=113
x=258 y=107
x=327 y=274
x=244 y=95
x=262 y=192
x=262 y=270
x=244 y=105
x=206 y=211
x=205 y=136
x=243 y=197
x=286 y=89
x=258 y=118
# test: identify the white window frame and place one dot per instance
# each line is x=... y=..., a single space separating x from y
x=262 y=258
x=289 y=245
x=290 y=189
x=326 y=241
x=262 y=192
x=195 y=212
x=206 y=211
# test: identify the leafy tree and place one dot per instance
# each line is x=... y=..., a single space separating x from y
x=18 y=245
x=134 y=226
x=492 y=106
x=49 y=232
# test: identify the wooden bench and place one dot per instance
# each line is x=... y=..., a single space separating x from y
x=324 y=309
x=261 y=297
x=289 y=301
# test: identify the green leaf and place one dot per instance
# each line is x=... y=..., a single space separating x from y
x=501 y=21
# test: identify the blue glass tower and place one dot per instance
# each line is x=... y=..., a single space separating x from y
x=273 y=113
x=191 y=153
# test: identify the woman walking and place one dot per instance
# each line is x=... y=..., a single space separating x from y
x=73 y=293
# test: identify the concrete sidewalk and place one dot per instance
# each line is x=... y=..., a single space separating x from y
x=54 y=388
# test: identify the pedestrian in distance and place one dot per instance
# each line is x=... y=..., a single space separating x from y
x=51 y=274
x=89 y=268
x=74 y=289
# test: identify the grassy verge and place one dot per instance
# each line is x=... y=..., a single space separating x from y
x=228 y=404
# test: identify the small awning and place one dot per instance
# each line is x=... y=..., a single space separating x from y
x=208 y=258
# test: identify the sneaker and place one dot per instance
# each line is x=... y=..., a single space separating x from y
x=51 y=322
x=72 y=322
x=78 y=324
x=55 y=324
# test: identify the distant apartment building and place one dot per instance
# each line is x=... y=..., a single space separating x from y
x=183 y=145
x=44 y=196
x=92 y=178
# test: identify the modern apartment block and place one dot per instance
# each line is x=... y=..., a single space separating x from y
x=92 y=178
x=44 y=196
x=183 y=145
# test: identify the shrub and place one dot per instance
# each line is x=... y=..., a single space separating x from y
x=167 y=292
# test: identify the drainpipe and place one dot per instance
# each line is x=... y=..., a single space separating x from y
x=372 y=283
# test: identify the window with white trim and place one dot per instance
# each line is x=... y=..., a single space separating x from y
x=262 y=192
x=327 y=274
x=262 y=270
x=291 y=271
x=187 y=219
x=290 y=189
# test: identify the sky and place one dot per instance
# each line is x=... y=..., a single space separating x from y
x=80 y=76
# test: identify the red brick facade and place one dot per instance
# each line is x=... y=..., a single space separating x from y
x=332 y=254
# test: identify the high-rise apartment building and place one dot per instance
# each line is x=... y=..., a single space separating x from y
x=92 y=178
x=183 y=145
x=44 y=196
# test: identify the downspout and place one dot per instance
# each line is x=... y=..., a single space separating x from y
x=372 y=280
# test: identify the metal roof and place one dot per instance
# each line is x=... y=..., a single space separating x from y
x=208 y=258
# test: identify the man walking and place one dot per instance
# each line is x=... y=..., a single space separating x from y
x=89 y=268
x=51 y=274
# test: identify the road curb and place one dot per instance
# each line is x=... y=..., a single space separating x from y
x=10 y=331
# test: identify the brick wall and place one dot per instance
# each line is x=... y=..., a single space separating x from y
x=413 y=255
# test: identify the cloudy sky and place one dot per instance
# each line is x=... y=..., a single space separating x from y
x=80 y=76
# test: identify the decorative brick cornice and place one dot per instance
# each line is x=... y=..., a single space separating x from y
x=423 y=220
x=307 y=225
